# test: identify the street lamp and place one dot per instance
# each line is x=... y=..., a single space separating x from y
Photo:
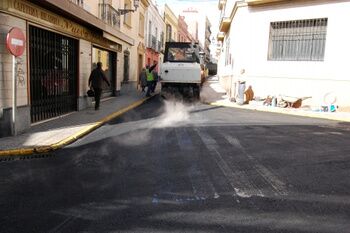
x=125 y=11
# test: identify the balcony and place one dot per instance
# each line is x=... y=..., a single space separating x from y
x=220 y=36
x=109 y=15
x=78 y=2
x=78 y=11
x=154 y=43
x=257 y=2
x=225 y=24
x=159 y=46
x=208 y=40
x=221 y=4
x=209 y=30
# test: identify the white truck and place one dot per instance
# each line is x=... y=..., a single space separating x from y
x=180 y=72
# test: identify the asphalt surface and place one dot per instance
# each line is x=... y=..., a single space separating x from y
x=172 y=167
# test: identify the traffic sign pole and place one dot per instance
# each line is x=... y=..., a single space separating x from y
x=15 y=42
x=14 y=96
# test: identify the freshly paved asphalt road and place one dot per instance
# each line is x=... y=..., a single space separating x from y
x=167 y=167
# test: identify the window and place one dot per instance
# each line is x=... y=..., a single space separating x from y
x=227 y=52
x=150 y=34
x=142 y=25
x=168 y=32
x=127 y=16
x=298 y=40
x=161 y=40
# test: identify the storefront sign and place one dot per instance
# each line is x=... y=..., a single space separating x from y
x=15 y=42
x=42 y=16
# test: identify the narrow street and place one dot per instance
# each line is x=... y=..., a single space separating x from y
x=172 y=167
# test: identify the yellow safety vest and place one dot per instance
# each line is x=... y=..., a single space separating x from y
x=149 y=76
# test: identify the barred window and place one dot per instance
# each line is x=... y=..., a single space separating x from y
x=298 y=40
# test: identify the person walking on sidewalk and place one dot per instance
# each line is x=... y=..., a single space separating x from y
x=150 y=79
x=143 y=79
x=95 y=82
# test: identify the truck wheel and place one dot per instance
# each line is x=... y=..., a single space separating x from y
x=196 y=93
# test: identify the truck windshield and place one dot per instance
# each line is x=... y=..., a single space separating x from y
x=181 y=55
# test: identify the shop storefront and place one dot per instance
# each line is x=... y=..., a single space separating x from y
x=55 y=68
x=53 y=65
x=108 y=60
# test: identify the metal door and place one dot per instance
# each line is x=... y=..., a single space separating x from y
x=53 y=74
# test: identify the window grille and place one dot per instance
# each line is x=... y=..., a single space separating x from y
x=168 y=32
x=298 y=40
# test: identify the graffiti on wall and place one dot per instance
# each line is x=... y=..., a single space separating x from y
x=20 y=74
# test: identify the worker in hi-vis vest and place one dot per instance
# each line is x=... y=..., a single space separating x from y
x=150 y=78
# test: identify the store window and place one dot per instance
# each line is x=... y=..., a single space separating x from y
x=108 y=59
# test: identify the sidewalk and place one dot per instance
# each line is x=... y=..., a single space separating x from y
x=212 y=93
x=61 y=131
x=58 y=132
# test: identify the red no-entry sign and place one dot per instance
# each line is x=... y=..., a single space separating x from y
x=15 y=41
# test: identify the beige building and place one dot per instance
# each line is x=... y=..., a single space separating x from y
x=286 y=48
x=61 y=50
x=171 y=24
x=134 y=24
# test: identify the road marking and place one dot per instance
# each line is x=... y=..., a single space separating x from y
x=202 y=186
x=59 y=227
x=236 y=178
x=278 y=185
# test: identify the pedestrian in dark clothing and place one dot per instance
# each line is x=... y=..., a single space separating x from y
x=150 y=79
x=143 y=79
x=95 y=82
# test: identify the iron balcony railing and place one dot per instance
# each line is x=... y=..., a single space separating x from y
x=78 y=2
x=109 y=15
x=149 y=41
x=209 y=30
x=154 y=43
x=159 y=46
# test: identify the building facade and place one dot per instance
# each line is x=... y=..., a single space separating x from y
x=155 y=36
x=199 y=27
x=61 y=51
x=171 y=24
x=183 y=35
x=293 y=48
x=133 y=24
x=191 y=17
x=207 y=41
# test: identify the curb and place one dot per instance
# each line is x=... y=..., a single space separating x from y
x=72 y=138
x=301 y=114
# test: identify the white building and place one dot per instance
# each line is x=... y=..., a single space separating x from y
x=155 y=35
x=294 y=48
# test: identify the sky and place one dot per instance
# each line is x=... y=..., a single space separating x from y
x=207 y=7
